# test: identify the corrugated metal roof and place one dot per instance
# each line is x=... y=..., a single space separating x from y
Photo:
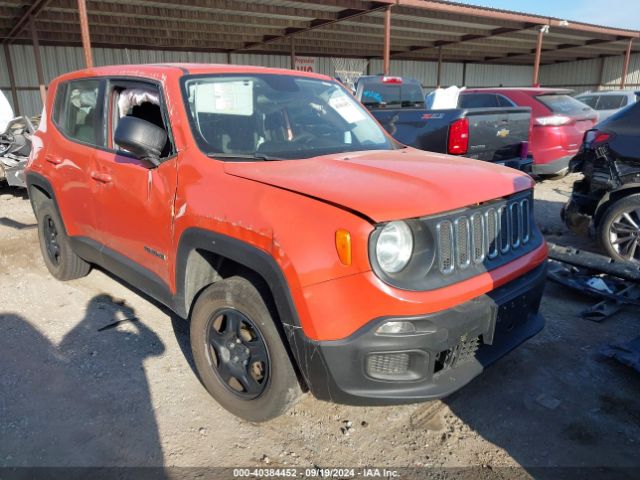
x=259 y=32
x=331 y=27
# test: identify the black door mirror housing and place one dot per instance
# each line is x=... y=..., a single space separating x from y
x=141 y=138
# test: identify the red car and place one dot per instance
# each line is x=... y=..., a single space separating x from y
x=558 y=121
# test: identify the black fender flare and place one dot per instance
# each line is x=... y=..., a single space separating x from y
x=37 y=180
x=242 y=253
x=40 y=182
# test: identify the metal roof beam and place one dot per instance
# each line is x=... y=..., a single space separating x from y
x=565 y=46
x=505 y=15
x=468 y=38
x=31 y=12
x=318 y=23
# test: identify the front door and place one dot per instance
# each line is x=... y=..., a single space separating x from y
x=135 y=200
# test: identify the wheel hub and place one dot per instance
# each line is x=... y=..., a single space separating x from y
x=238 y=354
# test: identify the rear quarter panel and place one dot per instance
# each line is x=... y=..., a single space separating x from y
x=68 y=174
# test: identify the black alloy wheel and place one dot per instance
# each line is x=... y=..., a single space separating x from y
x=237 y=353
x=51 y=240
x=624 y=234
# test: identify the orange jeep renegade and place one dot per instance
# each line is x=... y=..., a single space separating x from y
x=307 y=248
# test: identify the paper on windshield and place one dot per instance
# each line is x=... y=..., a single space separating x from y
x=230 y=98
x=346 y=108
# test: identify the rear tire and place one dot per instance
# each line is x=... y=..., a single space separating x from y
x=59 y=257
x=619 y=229
x=239 y=353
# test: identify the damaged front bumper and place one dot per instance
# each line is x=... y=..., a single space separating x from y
x=447 y=350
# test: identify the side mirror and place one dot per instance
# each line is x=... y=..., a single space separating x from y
x=143 y=139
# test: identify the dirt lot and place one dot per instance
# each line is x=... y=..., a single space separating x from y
x=74 y=392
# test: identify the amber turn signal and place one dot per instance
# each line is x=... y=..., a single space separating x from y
x=343 y=246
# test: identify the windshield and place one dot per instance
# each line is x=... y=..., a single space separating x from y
x=564 y=104
x=272 y=117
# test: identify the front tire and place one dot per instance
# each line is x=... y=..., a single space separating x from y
x=239 y=353
x=619 y=229
x=59 y=257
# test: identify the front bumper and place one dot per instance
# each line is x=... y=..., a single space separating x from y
x=439 y=359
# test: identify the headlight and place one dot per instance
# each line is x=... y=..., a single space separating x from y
x=394 y=247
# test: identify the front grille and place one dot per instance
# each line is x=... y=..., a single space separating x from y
x=460 y=353
x=483 y=234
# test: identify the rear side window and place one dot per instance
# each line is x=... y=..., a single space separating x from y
x=611 y=102
x=591 y=100
x=505 y=102
x=59 y=103
x=79 y=116
x=564 y=104
x=479 y=100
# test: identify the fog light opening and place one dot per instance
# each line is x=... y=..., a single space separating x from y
x=384 y=365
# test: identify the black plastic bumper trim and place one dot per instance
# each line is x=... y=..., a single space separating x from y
x=503 y=319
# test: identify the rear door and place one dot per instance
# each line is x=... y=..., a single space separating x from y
x=134 y=198
x=70 y=154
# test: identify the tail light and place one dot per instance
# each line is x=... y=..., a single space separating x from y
x=524 y=150
x=396 y=80
x=459 y=137
x=554 y=120
x=596 y=137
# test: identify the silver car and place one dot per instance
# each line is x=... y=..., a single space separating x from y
x=606 y=103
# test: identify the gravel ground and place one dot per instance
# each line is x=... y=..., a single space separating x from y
x=74 y=393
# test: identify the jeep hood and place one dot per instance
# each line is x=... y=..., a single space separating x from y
x=388 y=185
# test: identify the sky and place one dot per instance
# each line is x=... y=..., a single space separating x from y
x=610 y=13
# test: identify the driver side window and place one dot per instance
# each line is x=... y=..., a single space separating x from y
x=140 y=100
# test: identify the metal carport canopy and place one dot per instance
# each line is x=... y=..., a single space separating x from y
x=420 y=29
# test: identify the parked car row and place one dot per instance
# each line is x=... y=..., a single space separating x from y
x=558 y=122
x=493 y=133
x=606 y=103
x=606 y=202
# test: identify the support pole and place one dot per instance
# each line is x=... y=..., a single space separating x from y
x=84 y=31
x=439 y=78
x=464 y=74
x=386 y=55
x=625 y=66
x=601 y=76
x=36 y=52
x=293 y=52
x=536 y=65
x=12 y=80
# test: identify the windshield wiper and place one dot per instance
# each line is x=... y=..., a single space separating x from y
x=243 y=156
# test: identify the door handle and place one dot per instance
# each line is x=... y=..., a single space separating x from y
x=101 y=177
x=53 y=159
